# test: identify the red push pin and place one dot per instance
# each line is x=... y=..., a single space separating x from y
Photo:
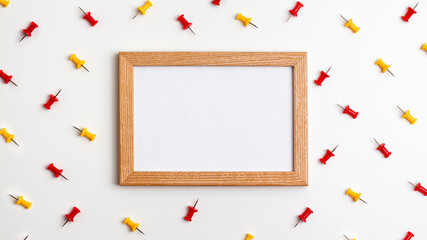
x=89 y=17
x=349 y=111
x=303 y=217
x=382 y=149
x=29 y=30
x=71 y=215
x=294 y=12
x=419 y=188
x=216 y=2
x=6 y=78
x=409 y=235
x=51 y=100
x=56 y=171
x=191 y=211
x=409 y=13
x=322 y=77
x=185 y=24
x=328 y=155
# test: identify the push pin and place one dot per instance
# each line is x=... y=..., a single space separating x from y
x=409 y=13
x=349 y=23
x=51 y=100
x=328 y=155
x=29 y=30
x=249 y=237
x=89 y=17
x=424 y=47
x=191 y=211
x=382 y=149
x=143 y=8
x=246 y=21
x=133 y=226
x=419 y=188
x=216 y=2
x=9 y=137
x=86 y=133
x=57 y=172
x=406 y=115
x=185 y=24
x=79 y=63
x=409 y=235
x=348 y=237
x=26 y=236
x=6 y=78
x=295 y=10
x=21 y=201
x=303 y=217
x=349 y=111
x=322 y=77
x=71 y=215
x=354 y=195
x=5 y=3
x=384 y=67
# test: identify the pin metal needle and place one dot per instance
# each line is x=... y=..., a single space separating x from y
x=289 y=17
x=412 y=184
x=22 y=38
x=13 y=83
x=77 y=128
x=340 y=106
x=253 y=25
x=140 y=231
x=85 y=68
x=196 y=203
x=416 y=5
x=135 y=16
x=82 y=11
x=13 y=197
x=299 y=220
x=346 y=237
x=401 y=109
x=344 y=18
x=335 y=148
x=391 y=73
x=15 y=143
x=329 y=69
x=363 y=201
x=376 y=141
x=65 y=223
x=64 y=177
x=192 y=31
x=26 y=237
x=58 y=92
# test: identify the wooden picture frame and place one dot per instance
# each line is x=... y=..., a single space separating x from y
x=296 y=60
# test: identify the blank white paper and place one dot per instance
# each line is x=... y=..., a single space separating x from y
x=204 y=118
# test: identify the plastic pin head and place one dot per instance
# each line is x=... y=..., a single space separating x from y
x=29 y=30
x=381 y=147
x=303 y=217
x=185 y=24
x=52 y=100
x=88 y=17
x=406 y=115
x=296 y=9
x=57 y=172
x=384 y=67
x=86 y=133
x=349 y=23
x=349 y=111
x=9 y=137
x=424 y=47
x=246 y=21
x=409 y=235
x=409 y=13
x=79 y=63
x=322 y=77
x=133 y=226
x=71 y=215
x=419 y=188
x=6 y=78
x=5 y=3
x=249 y=236
x=328 y=155
x=216 y=2
x=144 y=7
x=354 y=195
x=21 y=201
x=191 y=211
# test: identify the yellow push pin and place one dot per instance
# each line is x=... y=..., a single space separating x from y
x=246 y=21
x=348 y=237
x=384 y=67
x=406 y=115
x=86 y=133
x=79 y=63
x=133 y=226
x=424 y=47
x=5 y=3
x=144 y=8
x=354 y=195
x=9 y=137
x=349 y=23
x=22 y=202
x=249 y=236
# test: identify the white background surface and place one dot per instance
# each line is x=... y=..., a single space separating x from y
x=40 y=66
x=213 y=118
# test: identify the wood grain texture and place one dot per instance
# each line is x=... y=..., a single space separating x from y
x=297 y=60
